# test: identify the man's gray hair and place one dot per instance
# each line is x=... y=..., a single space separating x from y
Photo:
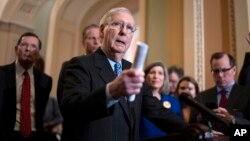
x=107 y=16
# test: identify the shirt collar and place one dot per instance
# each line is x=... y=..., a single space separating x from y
x=20 y=70
x=228 y=89
x=112 y=63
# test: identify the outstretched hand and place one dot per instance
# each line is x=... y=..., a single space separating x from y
x=128 y=83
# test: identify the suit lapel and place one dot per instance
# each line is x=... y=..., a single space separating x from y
x=11 y=76
x=11 y=82
x=124 y=102
x=37 y=87
x=234 y=95
x=103 y=67
x=107 y=74
x=10 y=94
x=214 y=96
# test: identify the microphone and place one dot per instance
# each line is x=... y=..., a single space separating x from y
x=206 y=112
x=140 y=56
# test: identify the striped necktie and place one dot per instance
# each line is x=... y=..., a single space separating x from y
x=118 y=69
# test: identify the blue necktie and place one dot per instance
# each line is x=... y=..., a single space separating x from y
x=118 y=69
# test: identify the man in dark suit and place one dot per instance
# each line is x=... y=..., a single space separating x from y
x=95 y=102
x=244 y=76
x=39 y=86
x=232 y=99
x=91 y=42
x=2 y=85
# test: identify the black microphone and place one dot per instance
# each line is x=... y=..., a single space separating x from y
x=206 y=112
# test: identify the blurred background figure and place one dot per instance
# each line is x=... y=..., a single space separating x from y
x=52 y=116
x=91 y=41
x=175 y=74
x=2 y=86
x=156 y=76
x=244 y=76
x=188 y=85
x=53 y=119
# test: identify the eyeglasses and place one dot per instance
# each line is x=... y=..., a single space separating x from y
x=224 y=70
x=120 y=25
x=24 y=44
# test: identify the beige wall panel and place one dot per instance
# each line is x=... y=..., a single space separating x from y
x=241 y=30
x=61 y=52
x=9 y=34
x=213 y=35
x=175 y=32
x=3 y=49
x=156 y=30
x=188 y=45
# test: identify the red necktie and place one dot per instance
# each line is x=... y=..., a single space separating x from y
x=25 y=120
x=223 y=99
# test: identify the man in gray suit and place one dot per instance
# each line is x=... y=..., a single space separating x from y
x=94 y=104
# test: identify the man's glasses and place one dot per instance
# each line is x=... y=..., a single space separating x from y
x=120 y=25
x=24 y=44
x=223 y=70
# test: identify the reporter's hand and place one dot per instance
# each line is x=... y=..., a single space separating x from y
x=128 y=83
x=224 y=114
x=217 y=133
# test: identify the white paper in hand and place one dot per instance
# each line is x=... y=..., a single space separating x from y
x=140 y=56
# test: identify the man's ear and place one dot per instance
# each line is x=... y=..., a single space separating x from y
x=248 y=38
x=102 y=31
x=15 y=48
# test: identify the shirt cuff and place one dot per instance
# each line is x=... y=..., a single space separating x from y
x=110 y=100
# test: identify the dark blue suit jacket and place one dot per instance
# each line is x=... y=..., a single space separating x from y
x=43 y=84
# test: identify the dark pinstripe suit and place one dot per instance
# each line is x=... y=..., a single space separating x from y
x=86 y=116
